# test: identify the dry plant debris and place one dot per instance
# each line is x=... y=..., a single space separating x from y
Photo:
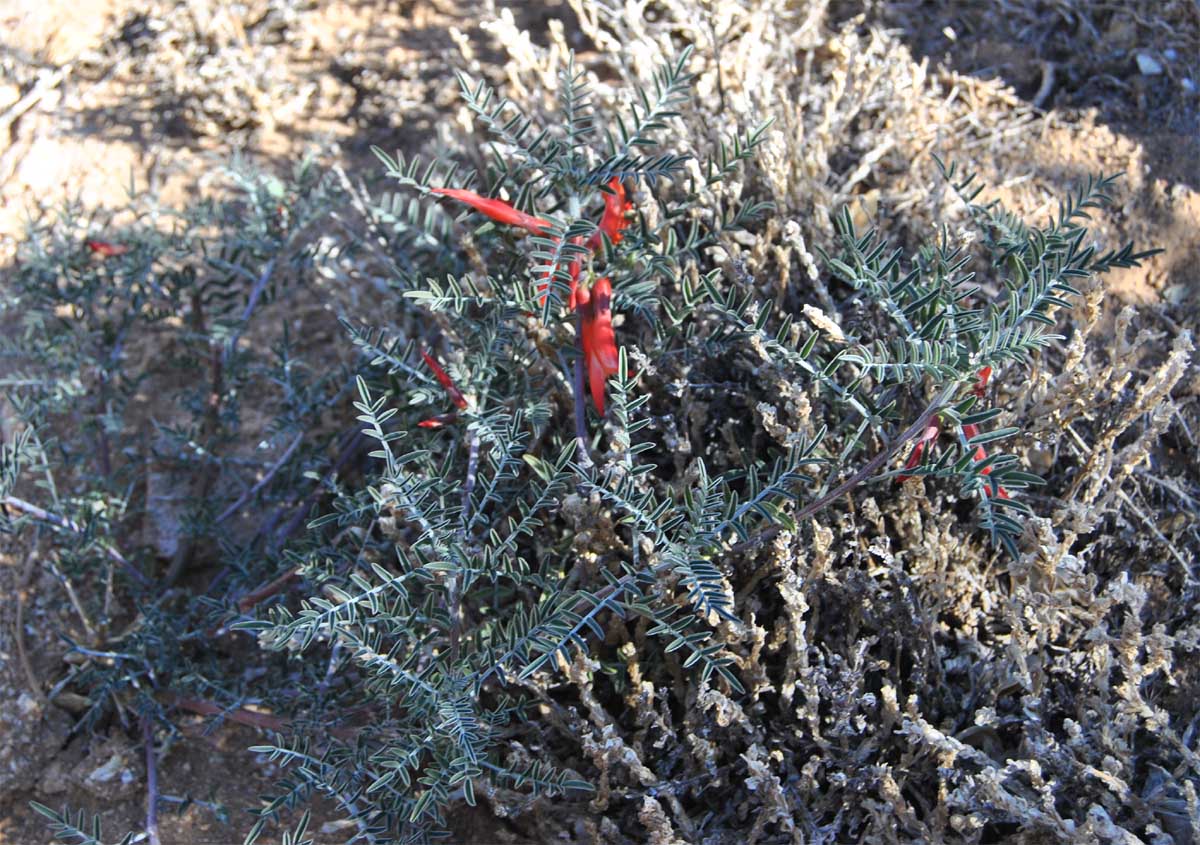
x=904 y=681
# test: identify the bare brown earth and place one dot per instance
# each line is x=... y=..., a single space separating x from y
x=158 y=94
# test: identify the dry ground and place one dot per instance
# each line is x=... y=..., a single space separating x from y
x=157 y=94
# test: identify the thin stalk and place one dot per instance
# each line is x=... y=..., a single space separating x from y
x=456 y=586
x=594 y=603
x=62 y=522
x=151 y=781
x=266 y=479
x=866 y=471
x=583 y=456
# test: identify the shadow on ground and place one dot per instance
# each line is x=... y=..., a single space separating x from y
x=1136 y=64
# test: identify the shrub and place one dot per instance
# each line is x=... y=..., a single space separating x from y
x=513 y=594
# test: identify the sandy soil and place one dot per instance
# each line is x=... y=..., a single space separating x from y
x=127 y=94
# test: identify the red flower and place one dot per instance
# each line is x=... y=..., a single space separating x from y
x=575 y=268
x=594 y=306
x=498 y=210
x=438 y=421
x=615 y=217
x=444 y=379
x=981 y=385
x=106 y=250
x=599 y=339
x=968 y=431
x=927 y=436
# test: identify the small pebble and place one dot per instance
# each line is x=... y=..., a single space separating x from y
x=27 y=704
x=1148 y=65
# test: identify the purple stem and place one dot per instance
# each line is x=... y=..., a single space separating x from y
x=583 y=457
x=151 y=781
